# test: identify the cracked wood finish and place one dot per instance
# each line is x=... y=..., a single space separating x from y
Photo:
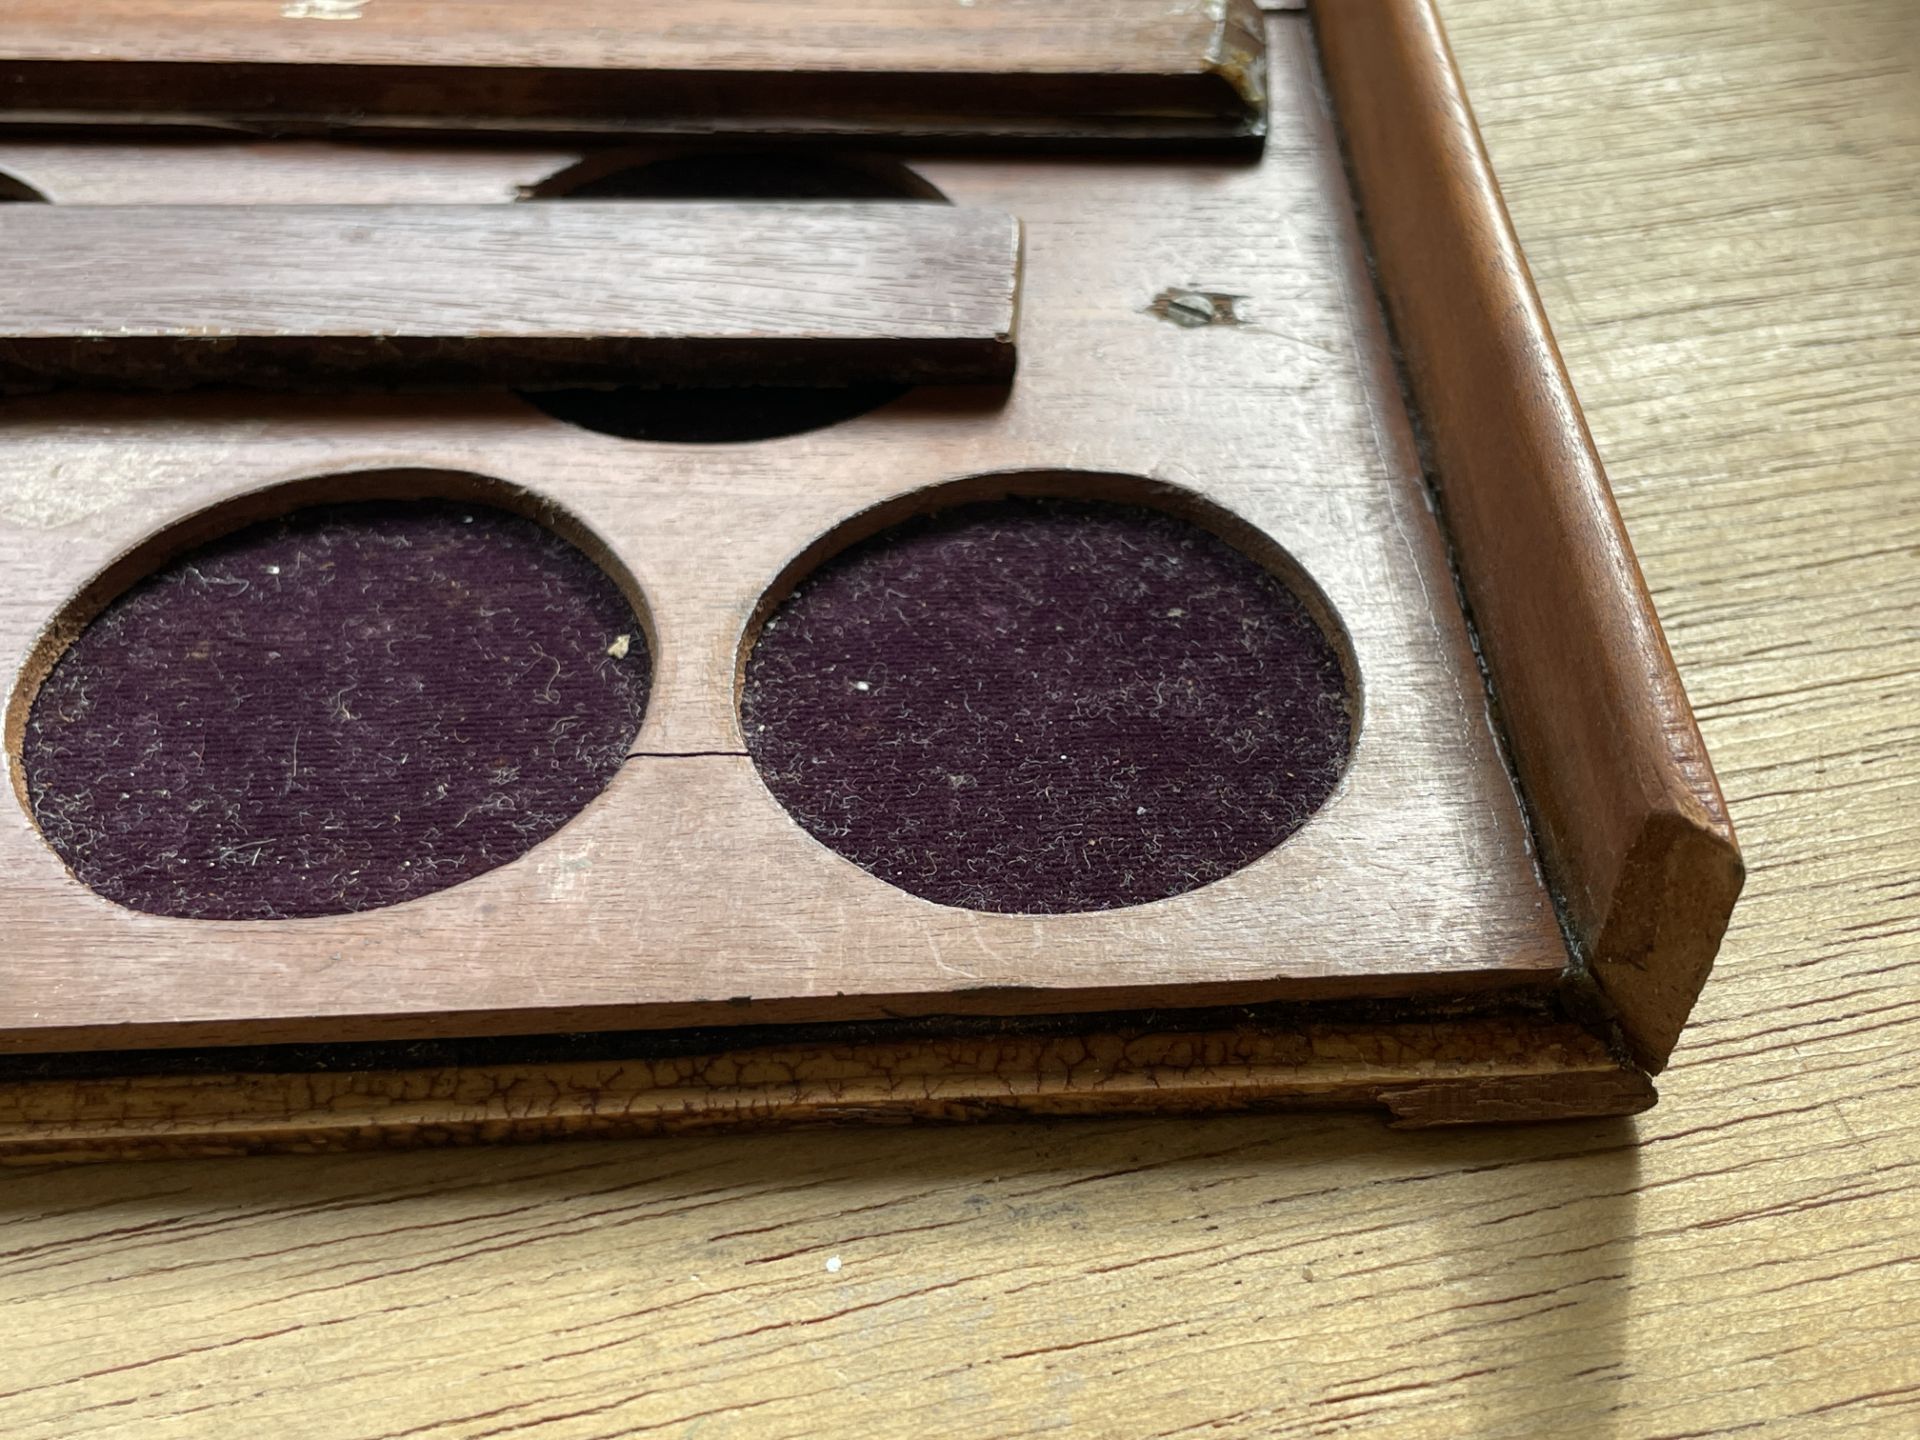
x=684 y=895
x=1422 y=1074
x=1630 y=817
x=306 y=296
x=1073 y=70
x=1727 y=250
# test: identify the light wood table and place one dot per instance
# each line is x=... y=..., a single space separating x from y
x=1722 y=203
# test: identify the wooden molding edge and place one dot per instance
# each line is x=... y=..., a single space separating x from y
x=1435 y=1073
x=1631 y=823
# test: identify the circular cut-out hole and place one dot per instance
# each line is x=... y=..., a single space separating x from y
x=346 y=707
x=18 y=190
x=738 y=175
x=1040 y=705
x=709 y=415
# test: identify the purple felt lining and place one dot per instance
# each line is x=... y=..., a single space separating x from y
x=1045 y=705
x=346 y=708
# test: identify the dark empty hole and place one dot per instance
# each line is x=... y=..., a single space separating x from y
x=727 y=414
x=17 y=190
x=757 y=175
x=711 y=415
x=1040 y=705
x=345 y=708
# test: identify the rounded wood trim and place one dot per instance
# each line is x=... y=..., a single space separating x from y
x=1629 y=817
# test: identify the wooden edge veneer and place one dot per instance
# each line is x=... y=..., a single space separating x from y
x=296 y=296
x=1630 y=819
x=1422 y=1074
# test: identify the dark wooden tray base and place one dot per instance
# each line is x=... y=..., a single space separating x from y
x=1484 y=1015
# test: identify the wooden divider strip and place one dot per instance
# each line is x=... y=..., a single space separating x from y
x=159 y=296
x=1021 y=69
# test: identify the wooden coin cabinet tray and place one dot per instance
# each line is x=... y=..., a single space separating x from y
x=1243 y=263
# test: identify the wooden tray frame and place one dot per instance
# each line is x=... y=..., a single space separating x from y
x=1628 y=818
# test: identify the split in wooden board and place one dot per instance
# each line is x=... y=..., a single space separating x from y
x=1072 y=70
x=581 y=292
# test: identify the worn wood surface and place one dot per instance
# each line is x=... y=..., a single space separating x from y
x=303 y=296
x=1632 y=825
x=684 y=894
x=1054 y=69
x=1727 y=252
x=1717 y=201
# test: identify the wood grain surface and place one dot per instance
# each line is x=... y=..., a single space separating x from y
x=305 y=296
x=684 y=894
x=1717 y=200
x=1074 y=69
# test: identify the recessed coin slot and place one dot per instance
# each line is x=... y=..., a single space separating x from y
x=1048 y=703
x=337 y=708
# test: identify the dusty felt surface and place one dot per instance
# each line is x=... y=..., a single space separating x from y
x=1042 y=706
x=346 y=708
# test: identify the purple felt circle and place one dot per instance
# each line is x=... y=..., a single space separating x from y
x=345 y=708
x=1045 y=705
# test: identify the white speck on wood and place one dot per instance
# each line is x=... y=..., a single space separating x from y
x=322 y=9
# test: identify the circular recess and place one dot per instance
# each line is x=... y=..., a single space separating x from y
x=737 y=175
x=18 y=190
x=1040 y=704
x=348 y=706
x=708 y=415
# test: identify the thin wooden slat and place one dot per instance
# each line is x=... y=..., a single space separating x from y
x=163 y=296
x=1051 y=69
x=1630 y=817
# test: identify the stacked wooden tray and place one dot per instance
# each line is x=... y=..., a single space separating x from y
x=1284 y=306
